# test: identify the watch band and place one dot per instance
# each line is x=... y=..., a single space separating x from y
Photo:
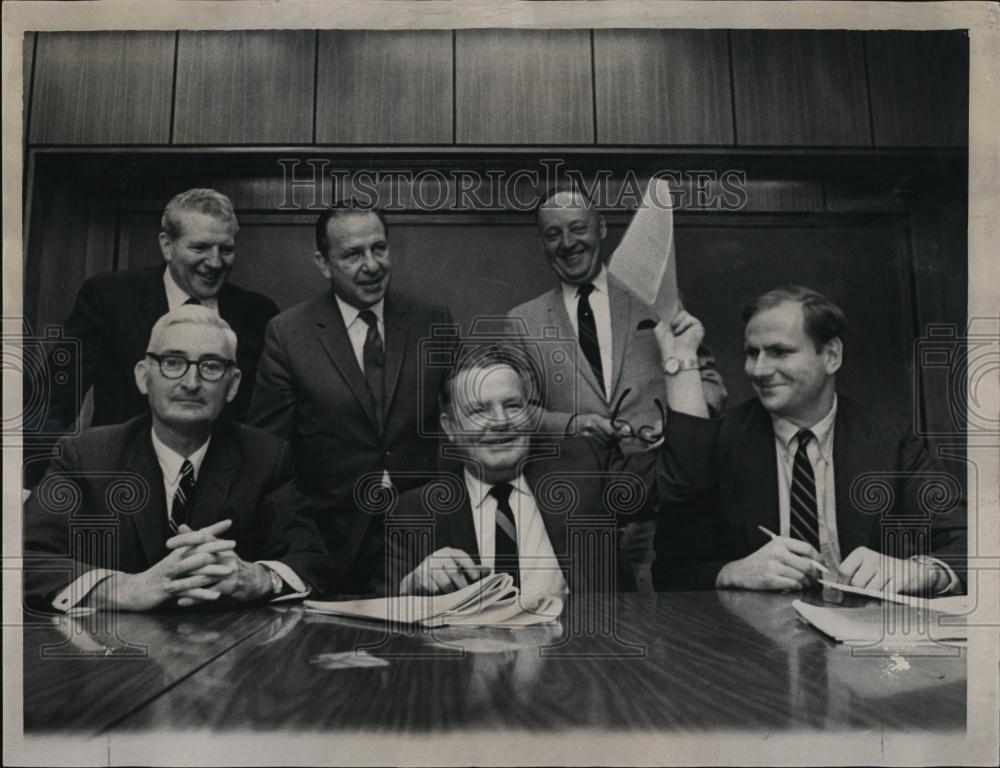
x=674 y=365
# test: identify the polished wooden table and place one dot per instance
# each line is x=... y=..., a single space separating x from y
x=670 y=662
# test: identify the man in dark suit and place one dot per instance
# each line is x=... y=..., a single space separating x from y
x=131 y=516
x=342 y=378
x=611 y=371
x=115 y=311
x=547 y=512
x=804 y=481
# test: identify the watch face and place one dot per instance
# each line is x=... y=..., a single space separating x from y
x=671 y=365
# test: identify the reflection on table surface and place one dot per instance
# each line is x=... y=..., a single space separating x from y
x=673 y=661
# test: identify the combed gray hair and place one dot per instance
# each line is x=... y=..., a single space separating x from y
x=192 y=314
x=206 y=201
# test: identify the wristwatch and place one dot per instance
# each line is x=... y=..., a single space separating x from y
x=672 y=365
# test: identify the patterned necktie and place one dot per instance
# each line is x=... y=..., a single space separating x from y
x=374 y=360
x=180 y=511
x=505 y=552
x=587 y=330
x=802 y=495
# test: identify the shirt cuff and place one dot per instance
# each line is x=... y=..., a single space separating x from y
x=291 y=579
x=953 y=580
x=77 y=590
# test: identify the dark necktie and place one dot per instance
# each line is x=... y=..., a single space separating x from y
x=180 y=512
x=505 y=552
x=587 y=330
x=374 y=361
x=192 y=301
x=802 y=495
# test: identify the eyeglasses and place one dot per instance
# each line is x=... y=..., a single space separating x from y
x=648 y=434
x=176 y=367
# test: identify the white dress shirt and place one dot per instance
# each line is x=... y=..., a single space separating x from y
x=600 y=306
x=539 y=569
x=170 y=467
x=820 y=453
x=176 y=296
x=357 y=329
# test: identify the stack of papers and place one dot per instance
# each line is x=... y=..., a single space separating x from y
x=879 y=624
x=490 y=602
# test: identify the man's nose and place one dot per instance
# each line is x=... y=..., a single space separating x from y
x=213 y=257
x=567 y=240
x=370 y=264
x=761 y=367
x=498 y=417
x=191 y=379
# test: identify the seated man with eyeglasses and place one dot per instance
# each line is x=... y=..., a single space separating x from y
x=546 y=510
x=176 y=506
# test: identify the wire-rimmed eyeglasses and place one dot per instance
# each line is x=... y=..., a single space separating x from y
x=176 y=366
x=647 y=433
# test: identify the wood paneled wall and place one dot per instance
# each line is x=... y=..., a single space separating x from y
x=500 y=87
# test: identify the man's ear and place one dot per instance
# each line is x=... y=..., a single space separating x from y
x=234 y=385
x=319 y=260
x=602 y=226
x=166 y=246
x=833 y=353
x=448 y=425
x=141 y=370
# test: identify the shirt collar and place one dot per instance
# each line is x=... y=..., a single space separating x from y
x=478 y=490
x=786 y=431
x=350 y=313
x=176 y=296
x=600 y=285
x=171 y=461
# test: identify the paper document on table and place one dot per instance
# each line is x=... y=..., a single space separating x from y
x=644 y=260
x=873 y=624
x=955 y=605
x=492 y=601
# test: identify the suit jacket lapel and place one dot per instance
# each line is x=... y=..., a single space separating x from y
x=151 y=520
x=215 y=479
x=462 y=526
x=555 y=520
x=620 y=304
x=757 y=475
x=152 y=299
x=855 y=451
x=560 y=317
x=395 y=341
x=332 y=335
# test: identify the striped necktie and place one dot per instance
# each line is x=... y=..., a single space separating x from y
x=802 y=495
x=505 y=559
x=180 y=511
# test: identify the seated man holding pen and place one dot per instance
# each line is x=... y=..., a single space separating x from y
x=786 y=472
x=176 y=506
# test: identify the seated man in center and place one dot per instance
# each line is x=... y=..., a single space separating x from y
x=513 y=504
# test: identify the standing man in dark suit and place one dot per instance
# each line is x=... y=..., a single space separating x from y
x=513 y=504
x=132 y=516
x=610 y=365
x=800 y=461
x=115 y=311
x=342 y=378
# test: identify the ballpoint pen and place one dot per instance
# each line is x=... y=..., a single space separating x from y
x=773 y=535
